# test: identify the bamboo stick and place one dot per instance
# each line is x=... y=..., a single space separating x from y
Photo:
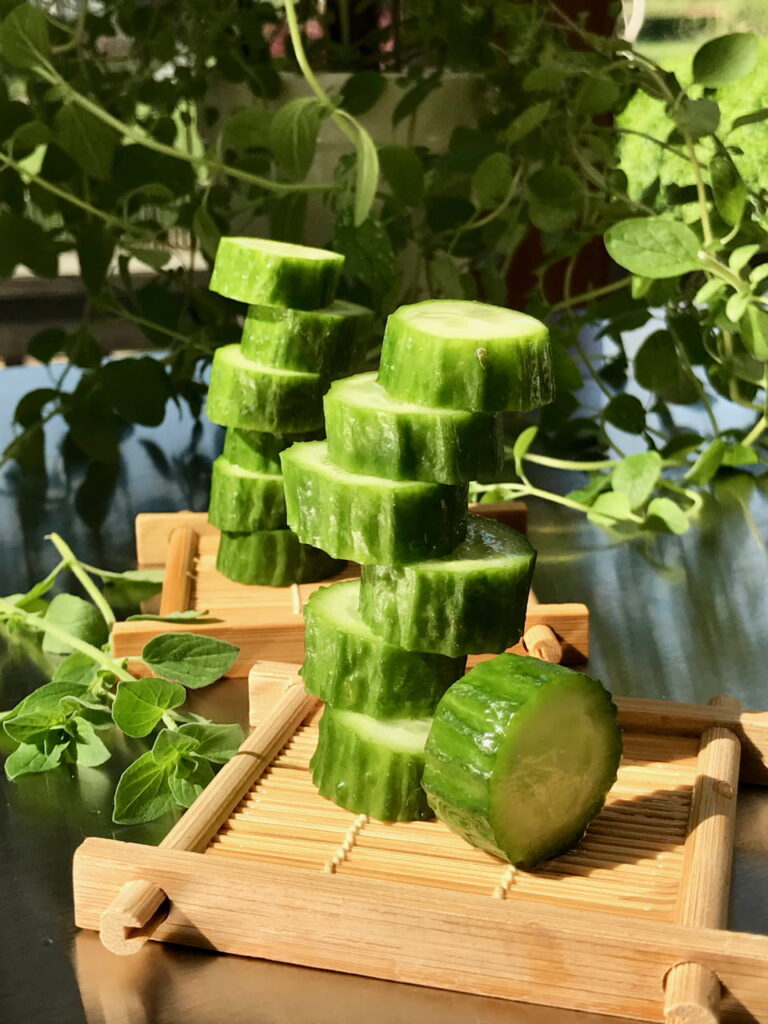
x=179 y=566
x=540 y=641
x=692 y=991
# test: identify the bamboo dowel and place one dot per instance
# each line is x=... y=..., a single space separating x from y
x=540 y=641
x=692 y=991
x=177 y=584
x=132 y=916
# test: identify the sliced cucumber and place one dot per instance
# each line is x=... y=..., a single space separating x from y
x=472 y=601
x=350 y=667
x=370 y=432
x=329 y=341
x=254 y=397
x=453 y=354
x=520 y=757
x=365 y=518
x=255 y=449
x=243 y=500
x=263 y=272
x=372 y=767
x=272 y=558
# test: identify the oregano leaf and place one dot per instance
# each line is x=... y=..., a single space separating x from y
x=217 y=743
x=707 y=464
x=293 y=134
x=78 y=617
x=24 y=39
x=637 y=476
x=189 y=658
x=143 y=791
x=654 y=247
x=726 y=59
x=140 y=705
x=665 y=515
x=609 y=509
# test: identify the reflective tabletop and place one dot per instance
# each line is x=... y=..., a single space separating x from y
x=684 y=619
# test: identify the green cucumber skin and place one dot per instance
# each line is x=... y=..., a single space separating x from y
x=272 y=558
x=269 y=279
x=254 y=399
x=241 y=504
x=427 y=607
x=331 y=342
x=418 y=443
x=255 y=450
x=353 y=669
x=467 y=734
x=366 y=779
x=491 y=376
x=365 y=520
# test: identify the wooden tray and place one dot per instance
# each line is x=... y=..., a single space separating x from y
x=631 y=923
x=266 y=622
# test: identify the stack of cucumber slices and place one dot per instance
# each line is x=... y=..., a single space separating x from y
x=517 y=755
x=268 y=391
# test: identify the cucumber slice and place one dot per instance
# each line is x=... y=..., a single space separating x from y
x=370 y=766
x=370 y=432
x=453 y=354
x=243 y=500
x=365 y=518
x=472 y=601
x=254 y=397
x=348 y=666
x=255 y=449
x=263 y=272
x=520 y=757
x=329 y=341
x=272 y=558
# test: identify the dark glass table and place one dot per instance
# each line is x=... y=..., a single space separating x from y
x=684 y=619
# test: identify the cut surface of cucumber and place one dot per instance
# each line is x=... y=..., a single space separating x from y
x=371 y=766
x=520 y=757
x=261 y=271
x=245 y=394
x=367 y=518
x=255 y=449
x=370 y=432
x=272 y=558
x=329 y=341
x=472 y=601
x=348 y=666
x=455 y=354
x=243 y=500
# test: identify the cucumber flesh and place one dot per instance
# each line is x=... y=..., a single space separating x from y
x=472 y=601
x=372 y=433
x=366 y=518
x=272 y=558
x=250 y=396
x=331 y=341
x=243 y=500
x=454 y=354
x=348 y=666
x=255 y=449
x=521 y=756
x=261 y=271
x=370 y=766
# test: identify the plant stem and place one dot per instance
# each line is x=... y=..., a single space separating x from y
x=594 y=293
x=85 y=580
x=756 y=432
x=581 y=467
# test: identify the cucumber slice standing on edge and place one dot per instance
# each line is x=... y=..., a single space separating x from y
x=255 y=449
x=351 y=668
x=371 y=432
x=472 y=601
x=366 y=518
x=372 y=766
x=520 y=757
x=260 y=271
x=272 y=558
x=455 y=354
x=242 y=499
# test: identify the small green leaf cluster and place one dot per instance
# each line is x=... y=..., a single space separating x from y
x=91 y=691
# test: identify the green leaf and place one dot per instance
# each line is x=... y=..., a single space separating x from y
x=293 y=135
x=31 y=726
x=361 y=91
x=143 y=792
x=709 y=292
x=170 y=746
x=753 y=327
x=206 y=231
x=596 y=485
x=30 y=407
x=248 y=129
x=217 y=743
x=29 y=759
x=79 y=618
x=24 y=39
x=609 y=509
x=596 y=95
x=137 y=388
x=726 y=59
x=95 y=248
x=190 y=615
x=525 y=123
x=736 y=306
x=86 y=138
x=737 y=454
x=90 y=751
x=741 y=256
x=626 y=412
x=658 y=368
x=414 y=97
x=707 y=464
x=567 y=373
x=83 y=349
x=155 y=258
x=47 y=343
x=366 y=176
x=188 y=780
x=554 y=195
x=139 y=706
x=653 y=246
x=697 y=117
x=47 y=699
x=403 y=172
x=189 y=658
x=755 y=117
x=522 y=443
x=636 y=476
x=728 y=189
x=491 y=181
x=663 y=514
x=27 y=243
